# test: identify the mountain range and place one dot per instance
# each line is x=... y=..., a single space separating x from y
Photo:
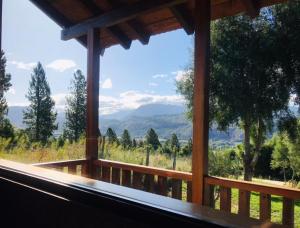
x=163 y=118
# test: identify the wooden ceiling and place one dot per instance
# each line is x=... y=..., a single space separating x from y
x=172 y=15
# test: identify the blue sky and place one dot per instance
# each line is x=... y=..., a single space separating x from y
x=129 y=78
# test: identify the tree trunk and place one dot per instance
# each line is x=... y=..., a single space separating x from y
x=248 y=170
x=147 y=156
x=174 y=159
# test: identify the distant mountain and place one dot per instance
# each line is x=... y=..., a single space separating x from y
x=147 y=111
x=165 y=119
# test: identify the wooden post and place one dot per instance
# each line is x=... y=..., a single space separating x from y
x=201 y=95
x=93 y=64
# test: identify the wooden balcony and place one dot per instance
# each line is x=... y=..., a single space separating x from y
x=178 y=185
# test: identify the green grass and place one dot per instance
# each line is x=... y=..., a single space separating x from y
x=276 y=207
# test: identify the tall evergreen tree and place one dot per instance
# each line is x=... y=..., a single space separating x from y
x=39 y=117
x=126 y=139
x=76 y=108
x=111 y=136
x=152 y=139
x=6 y=129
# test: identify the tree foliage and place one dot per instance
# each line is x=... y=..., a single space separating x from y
x=6 y=129
x=126 y=139
x=111 y=136
x=76 y=108
x=40 y=116
x=152 y=139
x=248 y=86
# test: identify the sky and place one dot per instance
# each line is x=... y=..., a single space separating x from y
x=128 y=78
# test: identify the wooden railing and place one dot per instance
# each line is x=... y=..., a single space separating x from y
x=178 y=185
x=70 y=166
x=265 y=191
x=164 y=182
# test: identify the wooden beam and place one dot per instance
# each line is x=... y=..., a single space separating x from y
x=92 y=122
x=115 y=31
x=135 y=24
x=251 y=7
x=183 y=18
x=60 y=19
x=117 y=16
x=201 y=99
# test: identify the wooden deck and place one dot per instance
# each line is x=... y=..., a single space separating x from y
x=178 y=185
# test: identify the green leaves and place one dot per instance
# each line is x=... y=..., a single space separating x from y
x=76 y=108
x=40 y=116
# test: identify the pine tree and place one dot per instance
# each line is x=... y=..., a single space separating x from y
x=111 y=136
x=152 y=139
x=6 y=129
x=134 y=143
x=126 y=139
x=76 y=108
x=39 y=116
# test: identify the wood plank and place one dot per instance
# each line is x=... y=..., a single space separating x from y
x=189 y=191
x=278 y=190
x=72 y=169
x=288 y=208
x=209 y=199
x=126 y=178
x=115 y=176
x=201 y=97
x=92 y=111
x=117 y=16
x=145 y=169
x=136 y=25
x=162 y=186
x=183 y=18
x=115 y=31
x=105 y=174
x=137 y=180
x=149 y=183
x=251 y=7
x=177 y=189
x=225 y=199
x=244 y=203
x=265 y=207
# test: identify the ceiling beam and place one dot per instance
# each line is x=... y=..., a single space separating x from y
x=61 y=20
x=251 y=8
x=115 y=31
x=183 y=17
x=135 y=24
x=117 y=16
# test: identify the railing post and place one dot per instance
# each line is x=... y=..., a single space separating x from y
x=93 y=64
x=201 y=99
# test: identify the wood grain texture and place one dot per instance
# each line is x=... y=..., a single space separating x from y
x=265 y=207
x=201 y=97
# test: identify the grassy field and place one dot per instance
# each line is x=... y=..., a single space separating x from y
x=37 y=154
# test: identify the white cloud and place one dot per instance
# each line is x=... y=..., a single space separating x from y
x=160 y=76
x=134 y=99
x=181 y=74
x=61 y=65
x=22 y=65
x=12 y=91
x=153 y=84
x=107 y=84
x=60 y=100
